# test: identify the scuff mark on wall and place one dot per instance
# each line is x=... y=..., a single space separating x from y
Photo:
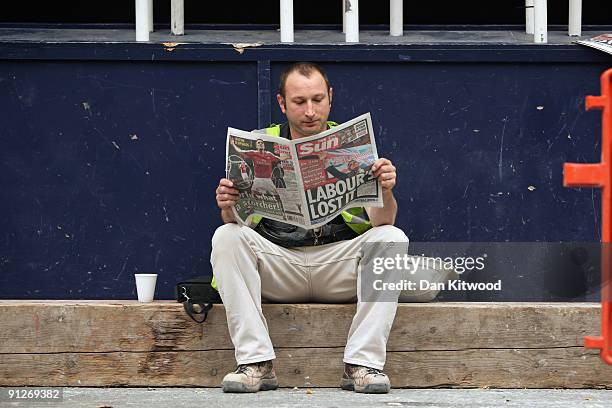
x=87 y=107
x=221 y=82
x=501 y=149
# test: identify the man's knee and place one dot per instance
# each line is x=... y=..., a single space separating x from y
x=387 y=233
x=226 y=237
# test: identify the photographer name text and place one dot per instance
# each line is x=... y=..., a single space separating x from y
x=424 y=284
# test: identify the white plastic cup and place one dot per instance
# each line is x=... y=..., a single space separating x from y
x=145 y=286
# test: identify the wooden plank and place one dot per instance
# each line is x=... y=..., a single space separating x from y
x=572 y=367
x=101 y=327
x=107 y=326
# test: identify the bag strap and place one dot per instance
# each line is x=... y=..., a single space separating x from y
x=188 y=306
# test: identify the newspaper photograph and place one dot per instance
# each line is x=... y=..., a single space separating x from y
x=304 y=182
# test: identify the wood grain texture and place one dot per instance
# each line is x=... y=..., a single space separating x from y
x=124 y=343
x=572 y=367
x=39 y=327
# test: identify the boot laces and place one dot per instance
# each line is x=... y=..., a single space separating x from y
x=242 y=369
x=245 y=368
x=374 y=371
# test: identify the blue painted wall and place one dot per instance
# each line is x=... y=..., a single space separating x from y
x=108 y=167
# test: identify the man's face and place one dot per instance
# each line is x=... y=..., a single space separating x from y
x=259 y=145
x=306 y=104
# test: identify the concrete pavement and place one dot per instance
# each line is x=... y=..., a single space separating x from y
x=323 y=397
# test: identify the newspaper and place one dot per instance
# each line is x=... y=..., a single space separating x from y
x=307 y=181
x=602 y=42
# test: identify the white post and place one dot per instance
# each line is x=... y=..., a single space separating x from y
x=177 y=17
x=396 y=18
x=540 y=29
x=142 y=20
x=352 y=21
x=529 y=16
x=575 y=18
x=286 y=20
x=150 y=17
x=343 y=16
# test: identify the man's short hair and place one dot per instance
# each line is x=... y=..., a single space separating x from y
x=303 y=68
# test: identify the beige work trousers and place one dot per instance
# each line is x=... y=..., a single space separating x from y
x=248 y=268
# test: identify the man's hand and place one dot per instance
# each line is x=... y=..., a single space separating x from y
x=226 y=196
x=384 y=171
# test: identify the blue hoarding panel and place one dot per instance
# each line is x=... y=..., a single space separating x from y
x=108 y=169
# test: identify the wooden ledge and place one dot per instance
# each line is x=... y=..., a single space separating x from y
x=126 y=343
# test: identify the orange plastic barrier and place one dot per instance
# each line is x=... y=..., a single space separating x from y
x=599 y=175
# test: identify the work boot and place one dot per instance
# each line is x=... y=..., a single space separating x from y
x=364 y=379
x=251 y=378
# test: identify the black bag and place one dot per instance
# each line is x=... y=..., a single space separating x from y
x=197 y=292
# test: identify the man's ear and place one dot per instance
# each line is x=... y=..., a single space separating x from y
x=330 y=95
x=281 y=102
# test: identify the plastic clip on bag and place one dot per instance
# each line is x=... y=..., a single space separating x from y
x=197 y=296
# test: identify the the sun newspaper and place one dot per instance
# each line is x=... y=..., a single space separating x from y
x=307 y=181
